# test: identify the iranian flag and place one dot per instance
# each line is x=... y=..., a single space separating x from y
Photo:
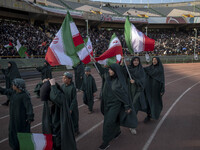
x=8 y=45
x=21 y=49
x=136 y=41
x=113 y=53
x=35 y=141
x=68 y=41
x=86 y=51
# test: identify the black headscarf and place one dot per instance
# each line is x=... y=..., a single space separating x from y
x=137 y=72
x=120 y=90
x=156 y=71
x=119 y=86
x=46 y=89
x=13 y=71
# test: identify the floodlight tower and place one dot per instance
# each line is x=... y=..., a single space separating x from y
x=195 y=43
x=87 y=25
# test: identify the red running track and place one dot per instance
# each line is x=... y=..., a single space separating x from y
x=177 y=128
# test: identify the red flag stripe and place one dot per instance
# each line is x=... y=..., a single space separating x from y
x=49 y=144
x=87 y=59
x=51 y=58
x=77 y=39
x=113 y=51
x=148 y=43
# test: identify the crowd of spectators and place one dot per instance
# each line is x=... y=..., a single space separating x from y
x=36 y=38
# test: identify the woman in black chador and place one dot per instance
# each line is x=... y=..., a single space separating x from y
x=56 y=118
x=45 y=74
x=154 y=89
x=116 y=104
x=10 y=73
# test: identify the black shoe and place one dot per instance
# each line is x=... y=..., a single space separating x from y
x=147 y=119
x=6 y=103
x=117 y=135
x=104 y=146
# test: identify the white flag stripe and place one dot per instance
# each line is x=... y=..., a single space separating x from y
x=137 y=38
x=103 y=62
x=74 y=29
x=118 y=57
x=84 y=52
x=112 y=43
x=59 y=50
x=18 y=45
x=39 y=141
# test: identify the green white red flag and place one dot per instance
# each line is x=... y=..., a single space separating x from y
x=113 y=54
x=21 y=49
x=35 y=141
x=68 y=41
x=87 y=51
x=8 y=45
x=136 y=41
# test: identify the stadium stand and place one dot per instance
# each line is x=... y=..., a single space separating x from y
x=36 y=34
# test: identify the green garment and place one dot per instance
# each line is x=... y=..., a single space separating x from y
x=115 y=101
x=136 y=89
x=70 y=93
x=89 y=88
x=155 y=88
x=51 y=115
x=79 y=72
x=45 y=71
x=11 y=73
x=66 y=124
x=56 y=117
x=21 y=114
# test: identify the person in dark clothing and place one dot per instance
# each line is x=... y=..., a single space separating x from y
x=10 y=73
x=136 y=85
x=116 y=105
x=89 y=88
x=21 y=111
x=154 y=89
x=56 y=119
x=70 y=92
x=46 y=73
x=79 y=72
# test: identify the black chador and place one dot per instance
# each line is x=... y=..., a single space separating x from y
x=56 y=119
x=155 y=88
x=10 y=73
x=46 y=73
x=116 y=104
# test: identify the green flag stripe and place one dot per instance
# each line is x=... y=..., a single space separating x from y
x=67 y=39
x=25 y=141
x=111 y=60
x=127 y=34
x=22 y=51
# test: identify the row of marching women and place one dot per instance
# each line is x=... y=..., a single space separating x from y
x=127 y=88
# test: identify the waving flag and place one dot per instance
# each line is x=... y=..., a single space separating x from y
x=68 y=41
x=35 y=141
x=86 y=51
x=21 y=49
x=8 y=45
x=136 y=41
x=113 y=53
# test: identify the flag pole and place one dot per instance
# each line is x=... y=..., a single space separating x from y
x=92 y=58
x=127 y=70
